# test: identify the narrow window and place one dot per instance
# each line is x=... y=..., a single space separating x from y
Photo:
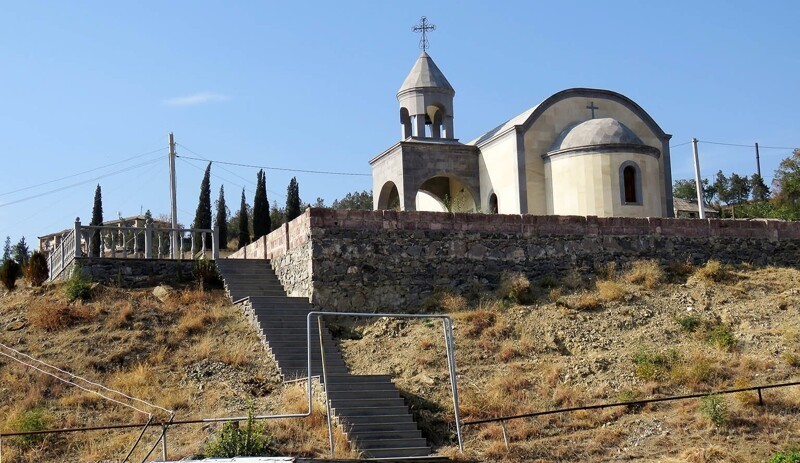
x=493 y=204
x=629 y=177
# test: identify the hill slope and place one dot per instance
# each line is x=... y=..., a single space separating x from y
x=620 y=335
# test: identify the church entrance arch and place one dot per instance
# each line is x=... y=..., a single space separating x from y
x=389 y=198
x=445 y=194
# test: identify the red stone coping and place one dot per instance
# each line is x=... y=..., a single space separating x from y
x=298 y=231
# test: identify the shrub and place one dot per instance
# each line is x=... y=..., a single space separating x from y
x=680 y=268
x=516 y=287
x=689 y=323
x=233 y=441
x=791 y=359
x=647 y=273
x=452 y=302
x=714 y=408
x=713 y=272
x=789 y=456
x=78 y=287
x=54 y=317
x=27 y=421
x=36 y=271
x=609 y=291
x=722 y=337
x=654 y=365
x=9 y=273
x=205 y=273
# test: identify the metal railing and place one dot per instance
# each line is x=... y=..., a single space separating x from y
x=447 y=325
x=632 y=403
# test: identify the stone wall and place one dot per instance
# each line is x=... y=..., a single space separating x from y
x=387 y=260
x=133 y=272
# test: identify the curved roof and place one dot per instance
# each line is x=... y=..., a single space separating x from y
x=605 y=131
x=531 y=115
x=425 y=74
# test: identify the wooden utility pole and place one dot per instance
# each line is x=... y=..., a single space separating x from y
x=173 y=248
x=701 y=205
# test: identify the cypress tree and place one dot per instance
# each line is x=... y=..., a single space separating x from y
x=97 y=219
x=202 y=217
x=244 y=224
x=261 y=220
x=292 y=200
x=221 y=220
x=21 y=252
x=6 y=250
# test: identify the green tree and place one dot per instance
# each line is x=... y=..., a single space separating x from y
x=221 y=220
x=202 y=217
x=758 y=188
x=97 y=219
x=684 y=189
x=6 y=249
x=244 y=224
x=293 y=207
x=319 y=203
x=355 y=200
x=148 y=215
x=739 y=188
x=277 y=216
x=786 y=183
x=21 y=253
x=261 y=219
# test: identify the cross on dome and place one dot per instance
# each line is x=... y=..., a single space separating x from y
x=424 y=27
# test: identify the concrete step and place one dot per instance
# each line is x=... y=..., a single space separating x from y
x=388 y=434
x=334 y=387
x=375 y=419
x=376 y=427
x=254 y=286
x=396 y=443
x=397 y=453
x=285 y=299
x=347 y=412
x=295 y=349
x=365 y=402
x=355 y=395
x=349 y=379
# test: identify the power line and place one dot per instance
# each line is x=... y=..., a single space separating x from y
x=81 y=173
x=79 y=183
x=252 y=166
x=745 y=146
x=682 y=144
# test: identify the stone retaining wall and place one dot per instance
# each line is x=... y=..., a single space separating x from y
x=133 y=272
x=388 y=260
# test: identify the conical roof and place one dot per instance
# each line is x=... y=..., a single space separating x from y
x=425 y=74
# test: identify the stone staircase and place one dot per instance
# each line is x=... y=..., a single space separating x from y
x=369 y=408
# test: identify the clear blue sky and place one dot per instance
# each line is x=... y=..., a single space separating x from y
x=311 y=85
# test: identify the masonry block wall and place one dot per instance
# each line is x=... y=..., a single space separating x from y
x=387 y=260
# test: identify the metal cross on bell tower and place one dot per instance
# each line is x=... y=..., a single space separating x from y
x=424 y=27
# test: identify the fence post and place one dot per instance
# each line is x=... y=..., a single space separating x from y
x=148 y=239
x=164 y=442
x=77 y=235
x=215 y=243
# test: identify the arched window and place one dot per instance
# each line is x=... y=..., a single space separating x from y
x=405 y=122
x=630 y=183
x=493 y=209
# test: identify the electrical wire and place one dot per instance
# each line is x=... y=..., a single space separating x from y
x=81 y=173
x=80 y=183
x=679 y=145
x=745 y=146
x=284 y=169
x=74 y=376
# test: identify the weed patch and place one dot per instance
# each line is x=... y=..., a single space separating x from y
x=516 y=287
x=714 y=408
x=713 y=272
x=689 y=323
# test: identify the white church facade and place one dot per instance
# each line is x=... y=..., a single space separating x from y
x=581 y=151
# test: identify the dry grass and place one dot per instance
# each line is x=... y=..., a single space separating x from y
x=516 y=287
x=55 y=316
x=646 y=273
x=452 y=303
x=476 y=322
x=610 y=291
x=713 y=272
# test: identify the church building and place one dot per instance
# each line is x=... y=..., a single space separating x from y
x=582 y=151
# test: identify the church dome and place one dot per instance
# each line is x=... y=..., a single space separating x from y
x=425 y=74
x=606 y=131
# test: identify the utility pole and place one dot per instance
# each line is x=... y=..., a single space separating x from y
x=701 y=205
x=173 y=248
x=758 y=162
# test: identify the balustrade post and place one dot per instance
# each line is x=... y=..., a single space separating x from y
x=215 y=243
x=148 y=239
x=77 y=235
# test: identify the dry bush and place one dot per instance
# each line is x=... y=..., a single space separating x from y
x=477 y=321
x=55 y=316
x=609 y=291
x=507 y=392
x=195 y=320
x=696 y=372
x=121 y=314
x=516 y=287
x=680 y=268
x=508 y=350
x=573 y=280
x=236 y=353
x=713 y=272
x=582 y=301
x=607 y=271
x=712 y=454
x=647 y=273
x=452 y=302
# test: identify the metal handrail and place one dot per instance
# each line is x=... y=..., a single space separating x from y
x=447 y=325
